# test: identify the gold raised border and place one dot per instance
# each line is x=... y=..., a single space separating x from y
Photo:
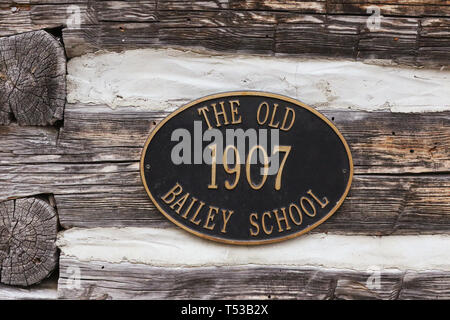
x=248 y=93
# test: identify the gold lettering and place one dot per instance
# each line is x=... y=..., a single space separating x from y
x=221 y=113
x=180 y=203
x=283 y=125
x=286 y=150
x=226 y=218
x=311 y=204
x=263 y=222
x=322 y=204
x=203 y=111
x=173 y=193
x=210 y=217
x=259 y=110
x=271 y=124
x=213 y=184
x=266 y=167
x=235 y=170
x=293 y=205
x=280 y=229
x=254 y=223
x=197 y=222
x=235 y=112
x=185 y=214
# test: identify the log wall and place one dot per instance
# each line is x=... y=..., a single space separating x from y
x=412 y=32
x=72 y=135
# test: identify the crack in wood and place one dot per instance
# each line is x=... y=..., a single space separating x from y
x=33 y=86
x=28 y=230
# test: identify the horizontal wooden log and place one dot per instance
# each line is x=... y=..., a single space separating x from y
x=129 y=11
x=233 y=39
x=328 y=40
x=390 y=8
x=15 y=19
x=32 y=79
x=434 y=39
x=233 y=18
x=17 y=139
x=307 y=40
x=284 y=5
x=396 y=2
x=79 y=41
x=397 y=39
x=242 y=26
x=193 y=5
x=103 y=280
x=93 y=162
x=28 y=252
x=63 y=14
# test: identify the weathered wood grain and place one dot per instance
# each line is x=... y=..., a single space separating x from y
x=390 y=8
x=32 y=79
x=90 y=164
x=79 y=41
x=103 y=280
x=283 y=5
x=63 y=14
x=398 y=38
x=332 y=28
x=15 y=138
x=28 y=252
x=193 y=5
x=430 y=285
x=15 y=18
x=314 y=39
x=233 y=18
x=233 y=39
x=128 y=11
x=434 y=40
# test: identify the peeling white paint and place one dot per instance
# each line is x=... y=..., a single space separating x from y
x=165 y=79
x=174 y=247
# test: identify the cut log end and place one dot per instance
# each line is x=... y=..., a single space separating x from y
x=32 y=79
x=28 y=252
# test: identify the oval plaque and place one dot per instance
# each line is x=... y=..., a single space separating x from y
x=246 y=167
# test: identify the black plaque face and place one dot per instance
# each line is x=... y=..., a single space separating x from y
x=204 y=170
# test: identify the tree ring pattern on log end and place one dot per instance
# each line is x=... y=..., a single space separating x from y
x=28 y=252
x=32 y=79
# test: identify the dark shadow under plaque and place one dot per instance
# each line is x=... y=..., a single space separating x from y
x=254 y=201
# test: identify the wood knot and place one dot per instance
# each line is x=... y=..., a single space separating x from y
x=28 y=252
